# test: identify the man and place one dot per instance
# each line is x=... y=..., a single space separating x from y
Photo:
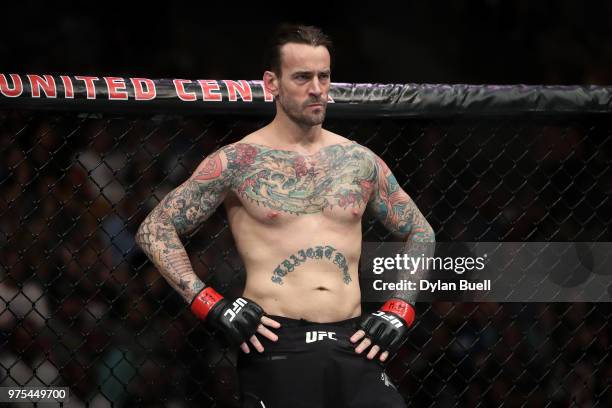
x=295 y=195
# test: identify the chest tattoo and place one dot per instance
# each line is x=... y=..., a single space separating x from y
x=337 y=175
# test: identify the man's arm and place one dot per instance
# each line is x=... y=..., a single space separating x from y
x=180 y=212
x=399 y=214
x=386 y=329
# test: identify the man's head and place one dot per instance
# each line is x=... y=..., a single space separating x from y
x=298 y=72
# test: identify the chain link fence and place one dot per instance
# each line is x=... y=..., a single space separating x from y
x=81 y=306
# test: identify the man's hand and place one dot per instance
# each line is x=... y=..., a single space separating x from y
x=239 y=320
x=264 y=331
x=385 y=329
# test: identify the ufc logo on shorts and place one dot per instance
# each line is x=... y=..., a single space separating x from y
x=390 y=318
x=237 y=306
x=313 y=336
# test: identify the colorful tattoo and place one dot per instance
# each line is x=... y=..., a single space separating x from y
x=341 y=175
x=396 y=210
x=337 y=175
x=180 y=212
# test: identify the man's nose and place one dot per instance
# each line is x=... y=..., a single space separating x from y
x=315 y=87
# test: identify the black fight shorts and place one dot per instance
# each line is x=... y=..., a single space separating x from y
x=313 y=365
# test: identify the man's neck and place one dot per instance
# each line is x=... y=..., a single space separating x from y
x=289 y=133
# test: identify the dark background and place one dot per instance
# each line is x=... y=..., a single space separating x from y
x=476 y=41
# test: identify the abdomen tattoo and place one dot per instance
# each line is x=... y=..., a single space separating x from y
x=303 y=255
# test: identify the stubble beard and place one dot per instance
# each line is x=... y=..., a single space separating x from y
x=301 y=114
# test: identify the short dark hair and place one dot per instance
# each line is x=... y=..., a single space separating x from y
x=293 y=33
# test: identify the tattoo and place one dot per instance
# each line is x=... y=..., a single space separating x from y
x=342 y=175
x=183 y=284
x=317 y=252
x=415 y=249
x=396 y=210
x=180 y=264
x=211 y=169
x=179 y=213
x=337 y=175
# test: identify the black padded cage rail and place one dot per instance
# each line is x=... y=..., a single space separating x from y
x=85 y=159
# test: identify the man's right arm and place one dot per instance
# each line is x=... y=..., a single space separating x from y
x=180 y=212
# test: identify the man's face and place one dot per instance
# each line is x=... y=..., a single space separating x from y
x=304 y=83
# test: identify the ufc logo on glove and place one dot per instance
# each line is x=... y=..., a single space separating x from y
x=237 y=306
x=390 y=318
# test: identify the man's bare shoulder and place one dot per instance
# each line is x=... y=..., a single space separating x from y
x=334 y=138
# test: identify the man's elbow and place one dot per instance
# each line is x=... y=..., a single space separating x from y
x=424 y=233
x=138 y=237
x=431 y=234
x=144 y=234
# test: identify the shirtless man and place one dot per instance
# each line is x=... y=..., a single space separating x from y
x=295 y=195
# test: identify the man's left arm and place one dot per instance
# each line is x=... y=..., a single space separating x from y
x=387 y=328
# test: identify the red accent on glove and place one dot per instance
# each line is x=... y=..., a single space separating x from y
x=401 y=308
x=204 y=301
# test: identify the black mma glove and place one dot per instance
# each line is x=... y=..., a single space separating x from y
x=388 y=327
x=238 y=320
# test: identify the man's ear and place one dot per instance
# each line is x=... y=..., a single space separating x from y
x=270 y=81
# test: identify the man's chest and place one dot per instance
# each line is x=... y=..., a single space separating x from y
x=336 y=179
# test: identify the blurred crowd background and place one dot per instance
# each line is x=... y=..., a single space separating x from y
x=80 y=306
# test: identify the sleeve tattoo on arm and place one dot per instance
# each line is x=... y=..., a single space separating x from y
x=397 y=211
x=180 y=213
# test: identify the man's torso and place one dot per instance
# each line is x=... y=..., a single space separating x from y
x=296 y=220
